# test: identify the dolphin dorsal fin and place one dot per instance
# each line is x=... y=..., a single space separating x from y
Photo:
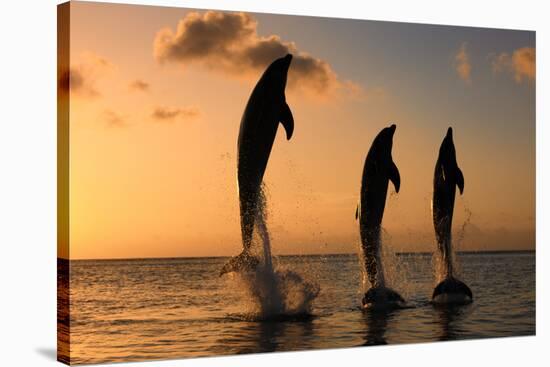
x=287 y=120
x=459 y=180
x=394 y=176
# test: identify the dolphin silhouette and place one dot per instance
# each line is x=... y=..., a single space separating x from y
x=447 y=177
x=266 y=107
x=378 y=170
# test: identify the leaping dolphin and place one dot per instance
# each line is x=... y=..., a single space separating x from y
x=446 y=177
x=378 y=170
x=266 y=107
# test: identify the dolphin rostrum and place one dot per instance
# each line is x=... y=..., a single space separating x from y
x=266 y=107
x=447 y=177
x=378 y=170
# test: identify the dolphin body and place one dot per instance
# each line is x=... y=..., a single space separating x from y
x=266 y=107
x=378 y=170
x=447 y=176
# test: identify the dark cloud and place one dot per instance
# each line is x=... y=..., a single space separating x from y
x=139 y=85
x=200 y=36
x=73 y=80
x=64 y=81
x=81 y=78
x=114 y=119
x=170 y=113
x=76 y=79
x=229 y=42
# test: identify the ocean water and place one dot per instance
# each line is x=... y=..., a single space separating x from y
x=133 y=310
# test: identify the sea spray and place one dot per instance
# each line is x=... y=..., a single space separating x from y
x=439 y=265
x=261 y=229
x=461 y=233
x=396 y=270
x=277 y=294
x=273 y=291
x=392 y=271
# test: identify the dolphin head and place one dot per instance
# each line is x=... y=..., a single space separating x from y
x=384 y=140
x=277 y=72
x=380 y=154
x=390 y=130
x=447 y=151
x=449 y=136
x=447 y=160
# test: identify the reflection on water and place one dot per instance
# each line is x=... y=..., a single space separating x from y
x=451 y=320
x=271 y=336
x=377 y=323
x=131 y=310
x=63 y=311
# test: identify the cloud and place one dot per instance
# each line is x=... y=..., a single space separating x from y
x=169 y=114
x=114 y=119
x=73 y=80
x=80 y=79
x=69 y=79
x=462 y=63
x=139 y=85
x=229 y=42
x=521 y=64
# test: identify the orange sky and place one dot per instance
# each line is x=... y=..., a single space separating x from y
x=154 y=126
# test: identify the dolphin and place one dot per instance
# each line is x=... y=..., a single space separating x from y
x=266 y=107
x=378 y=170
x=447 y=177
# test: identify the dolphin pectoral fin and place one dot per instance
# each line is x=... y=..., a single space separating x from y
x=242 y=263
x=357 y=212
x=460 y=180
x=394 y=176
x=287 y=120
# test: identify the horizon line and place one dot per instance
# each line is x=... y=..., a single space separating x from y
x=423 y=253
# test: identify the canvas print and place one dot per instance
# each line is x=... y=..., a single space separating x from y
x=233 y=182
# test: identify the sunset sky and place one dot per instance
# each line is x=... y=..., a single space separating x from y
x=157 y=95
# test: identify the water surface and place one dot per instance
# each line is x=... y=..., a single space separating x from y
x=130 y=310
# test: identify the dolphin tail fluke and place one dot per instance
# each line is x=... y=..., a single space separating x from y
x=452 y=290
x=287 y=120
x=244 y=262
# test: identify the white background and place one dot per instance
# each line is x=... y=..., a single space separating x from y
x=28 y=182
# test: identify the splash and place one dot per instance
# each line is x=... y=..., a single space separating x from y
x=463 y=228
x=277 y=294
x=261 y=228
x=272 y=290
x=439 y=265
x=394 y=270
